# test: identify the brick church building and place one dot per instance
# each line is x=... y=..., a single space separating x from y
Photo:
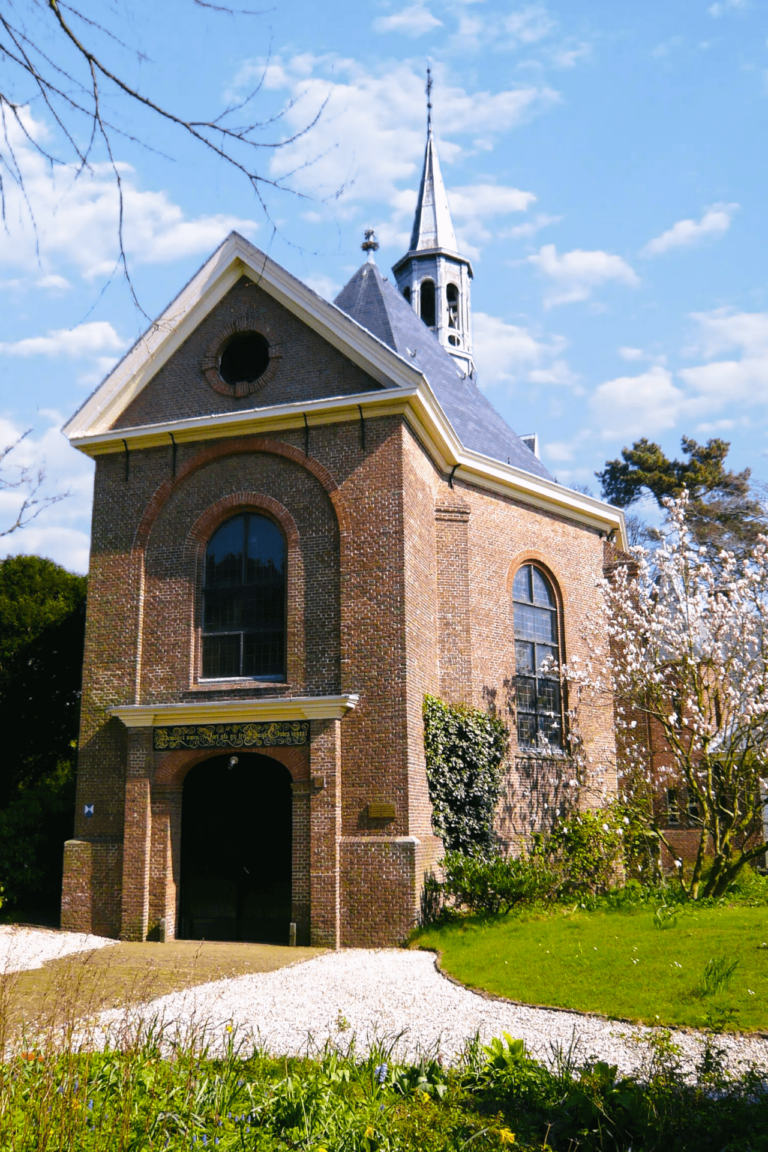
x=306 y=517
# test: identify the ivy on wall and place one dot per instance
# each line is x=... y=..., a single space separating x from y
x=465 y=751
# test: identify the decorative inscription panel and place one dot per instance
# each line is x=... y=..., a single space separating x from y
x=270 y=734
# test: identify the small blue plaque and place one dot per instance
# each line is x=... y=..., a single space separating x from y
x=88 y=809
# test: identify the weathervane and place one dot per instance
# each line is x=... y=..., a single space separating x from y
x=429 y=98
x=370 y=244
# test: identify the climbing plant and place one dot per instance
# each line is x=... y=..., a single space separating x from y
x=465 y=751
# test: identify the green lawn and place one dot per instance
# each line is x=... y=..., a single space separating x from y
x=616 y=963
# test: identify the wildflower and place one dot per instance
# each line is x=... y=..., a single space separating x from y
x=506 y=1136
x=380 y=1073
x=229 y=1027
x=369 y=1133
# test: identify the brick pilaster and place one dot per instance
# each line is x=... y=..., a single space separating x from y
x=137 y=836
x=301 y=884
x=325 y=831
x=454 y=632
x=165 y=860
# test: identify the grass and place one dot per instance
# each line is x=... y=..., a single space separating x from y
x=619 y=963
x=163 y=1091
x=144 y=1097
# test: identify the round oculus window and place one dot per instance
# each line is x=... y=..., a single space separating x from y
x=244 y=359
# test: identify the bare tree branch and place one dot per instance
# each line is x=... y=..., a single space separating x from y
x=75 y=100
x=28 y=482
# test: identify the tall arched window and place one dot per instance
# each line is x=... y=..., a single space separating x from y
x=427 y=302
x=244 y=600
x=537 y=659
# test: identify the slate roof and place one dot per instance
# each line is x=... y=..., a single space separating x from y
x=376 y=304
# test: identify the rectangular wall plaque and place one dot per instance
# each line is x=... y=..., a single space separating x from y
x=270 y=734
x=382 y=812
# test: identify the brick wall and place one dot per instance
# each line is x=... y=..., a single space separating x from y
x=398 y=584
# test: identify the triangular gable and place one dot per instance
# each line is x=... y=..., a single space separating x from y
x=235 y=257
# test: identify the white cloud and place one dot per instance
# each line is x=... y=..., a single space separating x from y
x=638 y=405
x=666 y=47
x=711 y=427
x=731 y=381
x=85 y=340
x=412 y=21
x=473 y=207
x=325 y=286
x=62 y=531
x=508 y=353
x=561 y=451
x=687 y=233
x=481 y=201
x=723 y=329
x=576 y=274
x=76 y=213
x=528 y=26
x=635 y=354
x=370 y=138
x=530 y=228
x=724 y=6
x=570 y=57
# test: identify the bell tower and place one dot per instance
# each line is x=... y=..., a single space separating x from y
x=433 y=276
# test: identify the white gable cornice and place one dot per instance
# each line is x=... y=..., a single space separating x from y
x=405 y=391
x=236 y=257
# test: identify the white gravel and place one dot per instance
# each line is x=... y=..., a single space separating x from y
x=24 y=948
x=380 y=995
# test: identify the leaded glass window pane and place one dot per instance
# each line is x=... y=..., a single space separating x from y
x=244 y=600
x=537 y=654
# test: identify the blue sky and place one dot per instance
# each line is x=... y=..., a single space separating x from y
x=605 y=165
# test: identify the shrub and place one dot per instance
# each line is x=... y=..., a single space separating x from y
x=587 y=847
x=465 y=752
x=491 y=885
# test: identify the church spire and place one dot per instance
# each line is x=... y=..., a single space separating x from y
x=432 y=225
x=433 y=276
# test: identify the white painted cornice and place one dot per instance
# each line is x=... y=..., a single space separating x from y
x=420 y=408
x=236 y=711
x=235 y=258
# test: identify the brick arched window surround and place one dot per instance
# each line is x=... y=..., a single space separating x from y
x=242 y=445
x=206 y=455
x=239 y=503
x=536 y=610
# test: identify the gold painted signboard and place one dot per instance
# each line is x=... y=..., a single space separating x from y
x=270 y=734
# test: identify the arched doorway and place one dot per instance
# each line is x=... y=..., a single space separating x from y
x=236 y=837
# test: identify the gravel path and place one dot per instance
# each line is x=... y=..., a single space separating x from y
x=384 y=994
x=24 y=948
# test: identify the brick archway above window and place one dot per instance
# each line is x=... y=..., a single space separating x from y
x=236 y=447
x=170 y=773
x=206 y=525
x=541 y=560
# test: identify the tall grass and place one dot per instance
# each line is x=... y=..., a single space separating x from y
x=70 y=1084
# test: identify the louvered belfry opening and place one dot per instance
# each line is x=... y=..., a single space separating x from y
x=236 y=850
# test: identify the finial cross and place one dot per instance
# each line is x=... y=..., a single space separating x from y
x=429 y=97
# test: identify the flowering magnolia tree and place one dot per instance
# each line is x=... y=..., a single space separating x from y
x=688 y=633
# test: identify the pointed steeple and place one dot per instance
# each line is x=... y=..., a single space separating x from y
x=433 y=276
x=432 y=224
